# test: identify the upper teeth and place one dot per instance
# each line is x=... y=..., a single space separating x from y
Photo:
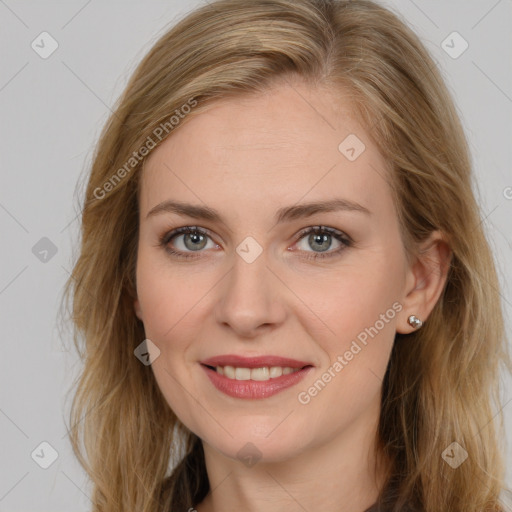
x=264 y=373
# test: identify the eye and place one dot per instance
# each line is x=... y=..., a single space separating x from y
x=186 y=239
x=320 y=239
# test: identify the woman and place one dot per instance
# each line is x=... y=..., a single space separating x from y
x=334 y=342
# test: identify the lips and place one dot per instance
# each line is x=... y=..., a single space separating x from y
x=254 y=377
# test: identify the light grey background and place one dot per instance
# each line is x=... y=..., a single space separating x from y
x=51 y=113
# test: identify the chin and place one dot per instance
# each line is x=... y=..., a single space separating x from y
x=257 y=439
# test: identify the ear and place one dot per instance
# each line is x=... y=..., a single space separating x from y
x=425 y=280
x=138 y=311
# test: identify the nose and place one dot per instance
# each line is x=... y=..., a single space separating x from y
x=251 y=298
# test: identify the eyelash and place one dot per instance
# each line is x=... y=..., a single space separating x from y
x=344 y=239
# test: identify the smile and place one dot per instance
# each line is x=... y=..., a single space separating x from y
x=254 y=377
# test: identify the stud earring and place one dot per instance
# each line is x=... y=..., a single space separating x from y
x=414 y=321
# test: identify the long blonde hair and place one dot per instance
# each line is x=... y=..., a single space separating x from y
x=442 y=381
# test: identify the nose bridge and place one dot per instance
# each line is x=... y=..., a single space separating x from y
x=249 y=295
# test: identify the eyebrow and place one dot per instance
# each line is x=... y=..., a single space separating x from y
x=282 y=215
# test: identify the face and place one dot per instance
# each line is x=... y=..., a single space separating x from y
x=274 y=317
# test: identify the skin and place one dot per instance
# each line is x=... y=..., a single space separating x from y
x=247 y=157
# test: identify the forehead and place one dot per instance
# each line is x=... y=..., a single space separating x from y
x=291 y=142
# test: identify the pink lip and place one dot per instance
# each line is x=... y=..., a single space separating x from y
x=252 y=389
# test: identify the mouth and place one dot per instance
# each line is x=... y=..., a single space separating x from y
x=254 y=377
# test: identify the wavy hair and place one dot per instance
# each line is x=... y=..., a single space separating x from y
x=442 y=382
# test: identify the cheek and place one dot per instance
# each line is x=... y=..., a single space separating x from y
x=168 y=298
x=346 y=302
x=360 y=315
x=169 y=301
x=354 y=323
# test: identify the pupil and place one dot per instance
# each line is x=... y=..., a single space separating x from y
x=318 y=239
x=195 y=239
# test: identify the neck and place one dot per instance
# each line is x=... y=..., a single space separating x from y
x=341 y=475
